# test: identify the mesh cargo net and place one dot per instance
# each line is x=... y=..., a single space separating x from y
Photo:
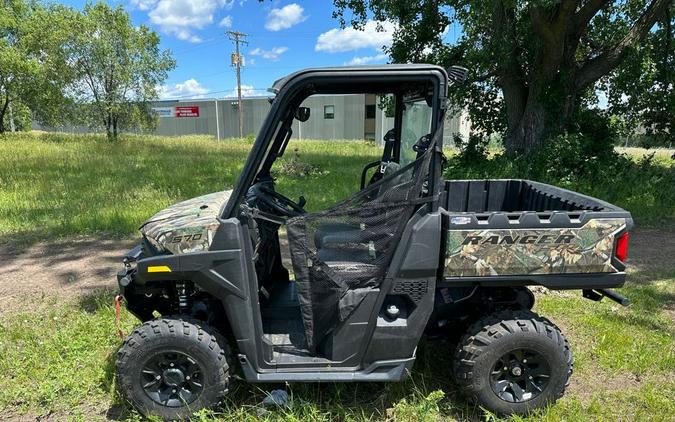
x=341 y=253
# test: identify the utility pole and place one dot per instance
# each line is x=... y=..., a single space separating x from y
x=238 y=38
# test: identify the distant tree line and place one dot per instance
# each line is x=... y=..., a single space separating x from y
x=542 y=69
x=90 y=67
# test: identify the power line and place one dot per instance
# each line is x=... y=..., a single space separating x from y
x=238 y=38
x=196 y=96
x=202 y=44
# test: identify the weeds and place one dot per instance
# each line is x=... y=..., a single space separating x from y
x=295 y=167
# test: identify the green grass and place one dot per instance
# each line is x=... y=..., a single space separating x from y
x=57 y=358
x=55 y=185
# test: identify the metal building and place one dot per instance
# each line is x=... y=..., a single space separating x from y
x=333 y=117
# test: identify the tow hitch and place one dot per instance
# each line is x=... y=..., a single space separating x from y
x=597 y=295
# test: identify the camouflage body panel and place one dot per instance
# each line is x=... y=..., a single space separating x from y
x=187 y=226
x=493 y=252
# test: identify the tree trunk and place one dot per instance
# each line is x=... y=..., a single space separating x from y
x=515 y=97
x=108 y=128
x=528 y=133
x=3 y=111
x=115 y=128
x=526 y=119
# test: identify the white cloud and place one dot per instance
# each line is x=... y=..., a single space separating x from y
x=358 y=61
x=284 y=18
x=143 y=4
x=188 y=89
x=226 y=22
x=182 y=17
x=274 y=54
x=349 y=39
x=246 y=91
x=186 y=35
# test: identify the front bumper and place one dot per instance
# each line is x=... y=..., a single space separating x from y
x=127 y=274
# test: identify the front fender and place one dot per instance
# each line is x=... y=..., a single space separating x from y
x=216 y=272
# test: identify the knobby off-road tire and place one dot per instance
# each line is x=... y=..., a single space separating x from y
x=489 y=367
x=172 y=367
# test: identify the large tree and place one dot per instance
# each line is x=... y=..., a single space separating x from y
x=33 y=71
x=117 y=68
x=532 y=62
x=641 y=91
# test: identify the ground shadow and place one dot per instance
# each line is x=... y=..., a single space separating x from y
x=63 y=269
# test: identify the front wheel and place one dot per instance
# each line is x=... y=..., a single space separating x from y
x=513 y=362
x=173 y=367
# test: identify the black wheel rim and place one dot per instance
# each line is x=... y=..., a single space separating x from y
x=520 y=375
x=172 y=379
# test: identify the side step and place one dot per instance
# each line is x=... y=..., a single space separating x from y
x=380 y=371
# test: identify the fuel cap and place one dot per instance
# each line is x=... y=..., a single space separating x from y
x=392 y=311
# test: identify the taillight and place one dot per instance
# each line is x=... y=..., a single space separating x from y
x=622 y=247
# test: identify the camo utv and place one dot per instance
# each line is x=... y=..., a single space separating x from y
x=247 y=280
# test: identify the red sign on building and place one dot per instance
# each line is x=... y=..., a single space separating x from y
x=190 y=111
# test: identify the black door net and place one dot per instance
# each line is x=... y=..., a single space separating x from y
x=343 y=252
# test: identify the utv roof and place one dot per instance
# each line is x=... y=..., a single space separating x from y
x=279 y=83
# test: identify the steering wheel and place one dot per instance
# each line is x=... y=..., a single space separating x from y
x=265 y=194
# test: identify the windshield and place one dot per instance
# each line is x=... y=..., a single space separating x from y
x=416 y=123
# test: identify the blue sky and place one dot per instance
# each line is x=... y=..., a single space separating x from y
x=284 y=36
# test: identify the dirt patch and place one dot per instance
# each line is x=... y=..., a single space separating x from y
x=585 y=387
x=61 y=270
x=72 y=268
x=651 y=250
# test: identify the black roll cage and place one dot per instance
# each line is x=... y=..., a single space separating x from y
x=292 y=90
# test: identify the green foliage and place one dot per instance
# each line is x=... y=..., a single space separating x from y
x=422 y=409
x=473 y=149
x=642 y=91
x=32 y=65
x=532 y=64
x=595 y=133
x=92 y=67
x=117 y=68
x=21 y=116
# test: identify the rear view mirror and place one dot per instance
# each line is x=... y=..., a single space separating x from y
x=458 y=74
x=302 y=114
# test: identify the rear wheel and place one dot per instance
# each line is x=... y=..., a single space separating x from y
x=513 y=362
x=173 y=367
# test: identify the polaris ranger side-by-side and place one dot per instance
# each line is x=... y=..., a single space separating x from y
x=407 y=253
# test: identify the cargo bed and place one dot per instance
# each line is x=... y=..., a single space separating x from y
x=523 y=232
